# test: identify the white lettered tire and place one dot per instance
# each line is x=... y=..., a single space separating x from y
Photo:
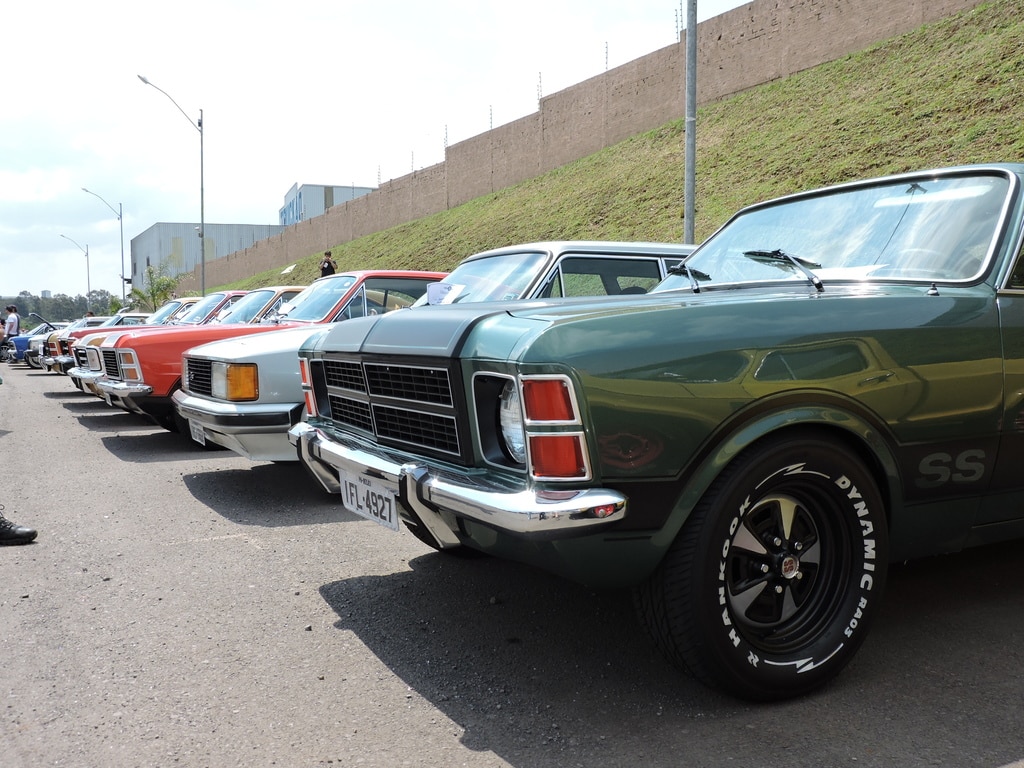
x=770 y=586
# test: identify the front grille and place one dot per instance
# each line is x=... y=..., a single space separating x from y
x=423 y=385
x=65 y=346
x=351 y=412
x=110 y=365
x=343 y=374
x=414 y=407
x=81 y=358
x=199 y=376
x=425 y=429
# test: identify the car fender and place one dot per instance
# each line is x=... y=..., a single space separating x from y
x=848 y=421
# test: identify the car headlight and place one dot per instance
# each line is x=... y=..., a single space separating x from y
x=93 y=359
x=234 y=381
x=510 y=416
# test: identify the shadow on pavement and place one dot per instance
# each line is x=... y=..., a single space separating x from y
x=115 y=421
x=270 y=495
x=544 y=672
x=143 y=443
x=96 y=416
x=70 y=393
x=538 y=670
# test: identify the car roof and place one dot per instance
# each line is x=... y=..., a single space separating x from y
x=609 y=247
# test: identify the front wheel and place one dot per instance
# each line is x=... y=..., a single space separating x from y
x=769 y=588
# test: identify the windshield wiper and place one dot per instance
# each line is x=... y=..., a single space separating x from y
x=693 y=275
x=780 y=256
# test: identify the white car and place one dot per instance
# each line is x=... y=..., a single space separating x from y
x=211 y=376
x=245 y=394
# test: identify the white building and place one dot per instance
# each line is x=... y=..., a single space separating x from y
x=309 y=200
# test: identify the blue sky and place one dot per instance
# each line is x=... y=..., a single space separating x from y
x=322 y=92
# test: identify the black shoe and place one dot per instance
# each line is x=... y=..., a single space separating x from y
x=12 y=533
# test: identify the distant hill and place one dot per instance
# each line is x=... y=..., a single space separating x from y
x=948 y=93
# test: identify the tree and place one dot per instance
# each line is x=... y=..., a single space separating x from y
x=99 y=301
x=157 y=289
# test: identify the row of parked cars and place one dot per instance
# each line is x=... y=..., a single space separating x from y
x=745 y=434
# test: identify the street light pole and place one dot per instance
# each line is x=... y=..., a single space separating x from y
x=690 y=150
x=202 y=220
x=88 y=279
x=120 y=220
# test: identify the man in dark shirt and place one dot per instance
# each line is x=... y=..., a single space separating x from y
x=327 y=266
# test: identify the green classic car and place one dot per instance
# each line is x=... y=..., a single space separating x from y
x=833 y=381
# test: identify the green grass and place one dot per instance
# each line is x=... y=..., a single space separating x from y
x=951 y=92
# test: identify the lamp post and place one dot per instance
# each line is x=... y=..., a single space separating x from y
x=690 y=150
x=88 y=280
x=202 y=221
x=120 y=221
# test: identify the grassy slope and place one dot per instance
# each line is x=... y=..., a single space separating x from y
x=951 y=92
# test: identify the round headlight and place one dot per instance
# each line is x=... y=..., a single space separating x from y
x=510 y=415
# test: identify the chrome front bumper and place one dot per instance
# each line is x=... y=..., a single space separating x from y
x=436 y=498
x=123 y=390
x=84 y=374
x=257 y=431
x=237 y=418
x=60 y=363
x=85 y=379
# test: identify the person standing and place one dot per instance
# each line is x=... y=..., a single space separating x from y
x=327 y=266
x=12 y=325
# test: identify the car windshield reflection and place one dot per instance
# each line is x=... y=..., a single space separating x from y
x=940 y=229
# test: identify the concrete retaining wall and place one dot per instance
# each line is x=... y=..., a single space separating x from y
x=756 y=43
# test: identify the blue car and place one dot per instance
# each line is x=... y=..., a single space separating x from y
x=13 y=350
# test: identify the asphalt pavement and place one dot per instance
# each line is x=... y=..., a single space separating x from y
x=186 y=607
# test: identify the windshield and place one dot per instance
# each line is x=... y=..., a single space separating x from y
x=317 y=301
x=931 y=229
x=502 y=277
x=199 y=311
x=162 y=313
x=246 y=308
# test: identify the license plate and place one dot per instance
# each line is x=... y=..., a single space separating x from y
x=370 y=499
x=197 y=432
